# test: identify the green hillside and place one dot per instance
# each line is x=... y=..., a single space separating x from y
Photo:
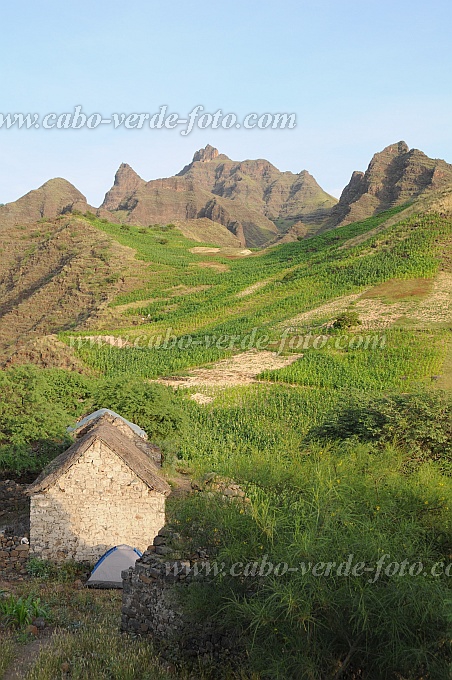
x=316 y=375
x=224 y=295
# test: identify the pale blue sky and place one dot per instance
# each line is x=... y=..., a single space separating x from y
x=359 y=76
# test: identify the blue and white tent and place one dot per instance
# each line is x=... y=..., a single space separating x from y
x=107 y=572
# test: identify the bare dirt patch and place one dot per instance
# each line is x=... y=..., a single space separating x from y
x=241 y=369
x=400 y=289
x=203 y=249
x=218 y=266
x=329 y=310
x=201 y=398
x=251 y=289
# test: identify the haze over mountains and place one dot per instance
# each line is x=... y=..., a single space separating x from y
x=255 y=202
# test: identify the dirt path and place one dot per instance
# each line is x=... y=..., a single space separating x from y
x=241 y=369
x=26 y=656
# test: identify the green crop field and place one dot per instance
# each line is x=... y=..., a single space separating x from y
x=262 y=291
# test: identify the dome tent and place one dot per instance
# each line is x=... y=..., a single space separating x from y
x=107 y=571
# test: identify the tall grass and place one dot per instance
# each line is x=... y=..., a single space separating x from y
x=405 y=359
x=320 y=507
x=8 y=648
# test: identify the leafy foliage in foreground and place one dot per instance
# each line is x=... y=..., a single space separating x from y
x=321 y=502
x=336 y=503
x=18 y=612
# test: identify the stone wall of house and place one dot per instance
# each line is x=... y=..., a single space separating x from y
x=153 y=595
x=13 y=554
x=96 y=504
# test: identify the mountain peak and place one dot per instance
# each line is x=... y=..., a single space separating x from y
x=126 y=173
x=55 y=197
x=394 y=176
x=127 y=181
x=398 y=149
x=209 y=153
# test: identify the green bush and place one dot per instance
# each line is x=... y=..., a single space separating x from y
x=46 y=570
x=347 y=320
x=36 y=407
x=153 y=407
x=420 y=422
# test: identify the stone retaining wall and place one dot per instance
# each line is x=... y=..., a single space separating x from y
x=152 y=604
x=13 y=554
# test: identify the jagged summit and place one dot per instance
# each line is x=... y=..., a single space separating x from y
x=127 y=181
x=394 y=176
x=251 y=198
x=254 y=200
x=209 y=153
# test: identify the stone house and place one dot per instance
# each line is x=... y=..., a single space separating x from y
x=105 y=490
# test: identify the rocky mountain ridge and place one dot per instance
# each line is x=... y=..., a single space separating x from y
x=253 y=199
x=394 y=176
x=257 y=203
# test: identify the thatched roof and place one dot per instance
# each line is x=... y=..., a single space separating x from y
x=89 y=420
x=106 y=417
x=121 y=445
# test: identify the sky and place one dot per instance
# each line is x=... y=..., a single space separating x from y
x=359 y=75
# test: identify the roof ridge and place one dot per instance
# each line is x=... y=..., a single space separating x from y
x=135 y=458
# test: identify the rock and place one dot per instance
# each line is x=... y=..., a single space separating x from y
x=31 y=630
x=394 y=176
x=39 y=622
x=159 y=540
x=163 y=550
x=209 y=153
x=126 y=183
x=165 y=532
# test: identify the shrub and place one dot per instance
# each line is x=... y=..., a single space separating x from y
x=152 y=407
x=420 y=422
x=347 y=320
x=36 y=406
x=46 y=570
x=301 y=626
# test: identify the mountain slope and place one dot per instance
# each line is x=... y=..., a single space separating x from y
x=55 y=197
x=253 y=199
x=395 y=176
x=57 y=275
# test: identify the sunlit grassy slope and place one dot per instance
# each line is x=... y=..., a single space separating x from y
x=217 y=294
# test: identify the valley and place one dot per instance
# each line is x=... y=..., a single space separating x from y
x=267 y=336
